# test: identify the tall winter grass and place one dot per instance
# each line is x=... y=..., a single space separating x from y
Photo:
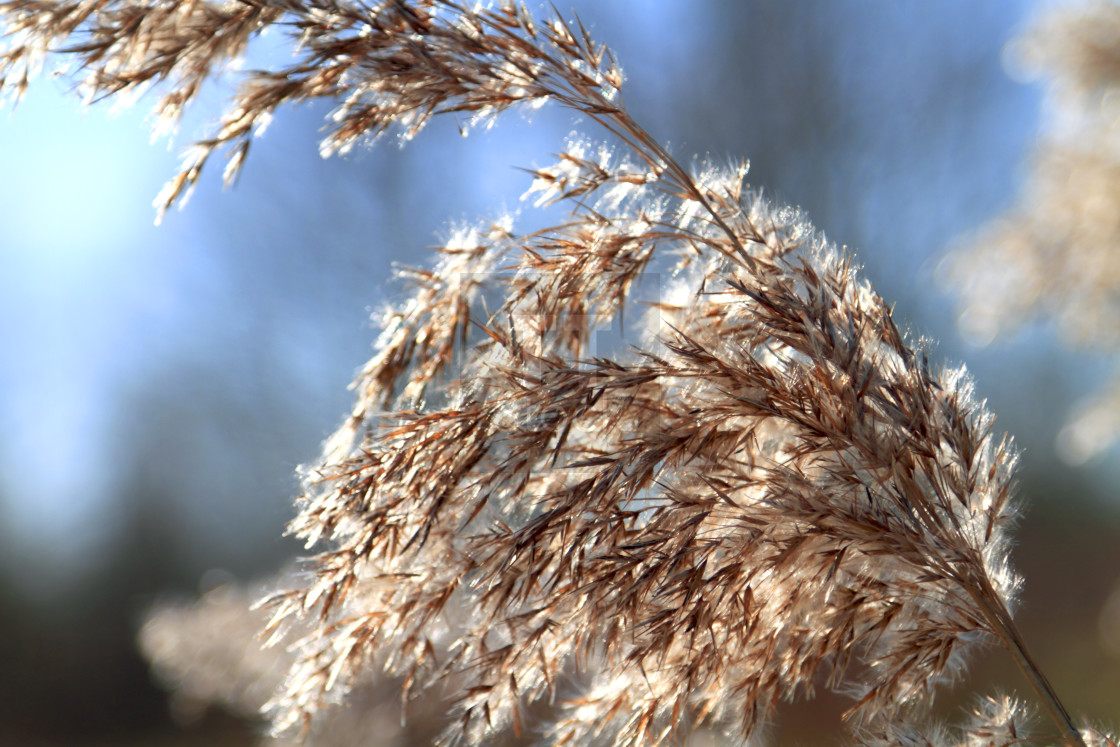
x=773 y=491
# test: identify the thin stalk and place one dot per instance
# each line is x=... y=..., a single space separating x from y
x=1012 y=640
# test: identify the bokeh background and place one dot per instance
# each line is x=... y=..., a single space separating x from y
x=160 y=385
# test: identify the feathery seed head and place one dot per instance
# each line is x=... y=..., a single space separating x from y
x=776 y=493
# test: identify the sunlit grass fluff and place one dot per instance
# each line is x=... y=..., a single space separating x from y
x=773 y=491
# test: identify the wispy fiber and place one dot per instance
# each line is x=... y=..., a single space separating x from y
x=775 y=492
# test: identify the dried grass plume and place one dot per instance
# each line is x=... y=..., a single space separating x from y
x=773 y=491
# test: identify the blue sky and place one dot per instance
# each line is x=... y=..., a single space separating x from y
x=85 y=278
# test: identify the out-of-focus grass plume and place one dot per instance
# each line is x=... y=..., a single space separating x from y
x=1053 y=255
